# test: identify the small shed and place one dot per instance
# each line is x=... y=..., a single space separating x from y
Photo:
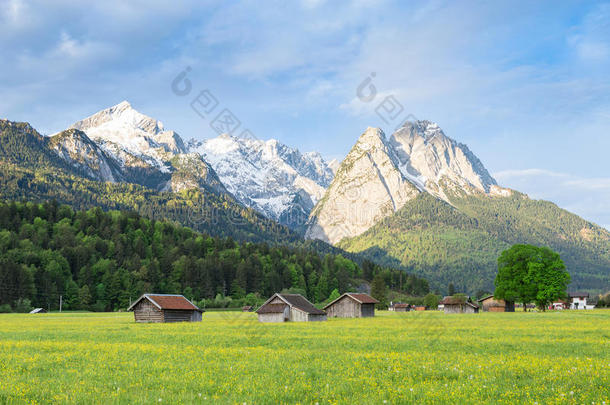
x=289 y=307
x=352 y=305
x=459 y=305
x=399 y=307
x=246 y=308
x=165 y=308
x=38 y=311
x=490 y=304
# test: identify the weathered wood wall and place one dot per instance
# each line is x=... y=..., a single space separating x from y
x=459 y=309
x=493 y=305
x=296 y=315
x=367 y=310
x=277 y=317
x=173 y=315
x=145 y=311
x=346 y=307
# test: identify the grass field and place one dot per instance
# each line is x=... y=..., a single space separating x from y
x=430 y=357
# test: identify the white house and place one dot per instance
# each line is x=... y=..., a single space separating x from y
x=578 y=300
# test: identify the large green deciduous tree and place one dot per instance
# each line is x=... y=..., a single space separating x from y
x=529 y=273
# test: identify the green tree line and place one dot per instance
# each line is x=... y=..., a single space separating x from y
x=99 y=260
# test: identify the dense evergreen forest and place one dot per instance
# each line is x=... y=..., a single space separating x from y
x=99 y=260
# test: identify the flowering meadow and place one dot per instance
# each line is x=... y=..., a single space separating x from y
x=416 y=357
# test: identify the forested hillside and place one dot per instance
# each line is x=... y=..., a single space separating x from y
x=100 y=260
x=30 y=171
x=460 y=244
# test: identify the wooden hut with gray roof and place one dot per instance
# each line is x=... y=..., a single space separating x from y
x=352 y=305
x=289 y=307
x=458 y=304
x=165 y=308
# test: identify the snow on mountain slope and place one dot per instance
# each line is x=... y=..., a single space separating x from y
x=380 y=175
x=76 y=148
x=132 y=137
x=144 y=151
x=269 y=176
x=426 y=155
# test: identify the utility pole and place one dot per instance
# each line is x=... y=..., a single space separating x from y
x=60 y=298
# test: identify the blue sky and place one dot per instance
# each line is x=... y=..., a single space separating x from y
x=524 y=84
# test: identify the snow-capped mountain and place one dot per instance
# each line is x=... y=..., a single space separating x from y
x=132 y=136
x=426 y=155
x=269 y=176
x=380 y=175
x=122 y=144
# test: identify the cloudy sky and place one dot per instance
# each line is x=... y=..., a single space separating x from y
x=524 y=84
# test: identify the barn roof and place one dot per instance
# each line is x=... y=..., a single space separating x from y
x=358 y=297
x=486 y=298
x=272 y=309
x=167 y=301
x=295 y=301
x=458 y=301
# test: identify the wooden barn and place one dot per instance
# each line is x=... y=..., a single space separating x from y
x=289 y=307
x=490 y=304
x=352 y=305
x=165 y=308
x=399 y=307
x=459 y=305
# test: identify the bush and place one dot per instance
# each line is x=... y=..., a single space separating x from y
x=22 y=305
x=5 y=309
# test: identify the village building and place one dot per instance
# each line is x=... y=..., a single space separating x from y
x=491 y=304
x=352 y=305
x=289 y=307
x=578 y=300
x=459 y=305
x=165 y=308
x=399 y=307
x=559 y=305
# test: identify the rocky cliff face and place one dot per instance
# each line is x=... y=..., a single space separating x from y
x=380 y=175
x=75 y=147
x=281 y=182
x=368 y=186
x=426 y=156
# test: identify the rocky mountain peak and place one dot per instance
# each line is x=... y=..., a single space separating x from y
x=427 y=156
x=379 y=175
x=273 y=178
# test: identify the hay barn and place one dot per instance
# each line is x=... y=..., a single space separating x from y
x=490 y=304
x=352 y=305
x=399 y=307
x=165 y=308
x=289 y=307
x=459 y=305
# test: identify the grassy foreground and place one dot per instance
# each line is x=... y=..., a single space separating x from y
x=561 y=357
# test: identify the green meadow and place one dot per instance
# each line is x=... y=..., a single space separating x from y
x=416 y=357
